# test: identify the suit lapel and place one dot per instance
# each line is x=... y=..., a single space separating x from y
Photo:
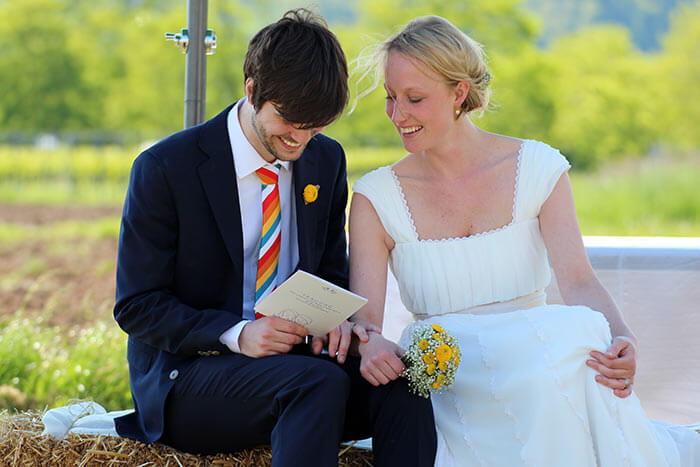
x=305 y=173
x=218 y=178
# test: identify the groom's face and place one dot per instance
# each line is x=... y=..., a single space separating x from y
x=274 y=137
x=280 y=139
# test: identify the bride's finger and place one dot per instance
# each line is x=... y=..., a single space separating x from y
x=612 y=383
x=387 y=370
x=607 y=371
x=368 y=375
x=378 y=374
x=626 y=362
x=622 y=393
x=397 y=366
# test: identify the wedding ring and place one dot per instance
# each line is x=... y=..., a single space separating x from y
x=627 y=382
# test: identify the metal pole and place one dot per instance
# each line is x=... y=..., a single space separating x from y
x=195 y=63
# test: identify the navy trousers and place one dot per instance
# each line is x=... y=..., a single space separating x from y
x=301 y=405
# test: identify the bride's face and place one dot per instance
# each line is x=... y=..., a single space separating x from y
x=420 y=104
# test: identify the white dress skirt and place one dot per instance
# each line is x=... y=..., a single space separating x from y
x=523 y=395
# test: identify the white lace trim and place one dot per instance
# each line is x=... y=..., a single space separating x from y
x=507 y=408
x=467 y=237
x=620 y=432
x=569 y=399
x=405 y=204
x=548 y=358
x=465 y=428
x=516 y=187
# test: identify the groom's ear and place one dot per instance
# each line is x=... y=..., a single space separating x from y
x=249 y=88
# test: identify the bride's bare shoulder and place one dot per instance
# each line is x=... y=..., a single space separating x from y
x=406 y=166
x=502 y=144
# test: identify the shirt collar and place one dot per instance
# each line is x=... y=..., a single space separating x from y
x=246 y=159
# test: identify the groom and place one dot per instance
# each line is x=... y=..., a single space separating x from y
x=217 y=215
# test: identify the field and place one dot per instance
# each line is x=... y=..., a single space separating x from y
x=59 y=221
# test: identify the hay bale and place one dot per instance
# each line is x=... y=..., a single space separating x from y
x=21 y=444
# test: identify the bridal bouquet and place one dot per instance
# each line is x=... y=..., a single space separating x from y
x=431 y=360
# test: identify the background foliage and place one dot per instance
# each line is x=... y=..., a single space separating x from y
x=596 y=78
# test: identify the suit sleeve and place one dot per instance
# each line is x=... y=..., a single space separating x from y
x=334 y=260
x=146 y=307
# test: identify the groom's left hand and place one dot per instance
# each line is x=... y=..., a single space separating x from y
x=616 y=366
x=339 y=339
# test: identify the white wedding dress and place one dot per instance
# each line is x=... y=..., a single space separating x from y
x=523 y=393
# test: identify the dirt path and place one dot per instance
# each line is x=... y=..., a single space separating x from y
x=42 y=214
x=66 y=281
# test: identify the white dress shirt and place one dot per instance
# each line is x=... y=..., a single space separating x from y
x=246 y=160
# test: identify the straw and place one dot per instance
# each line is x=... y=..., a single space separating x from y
x=21 y=444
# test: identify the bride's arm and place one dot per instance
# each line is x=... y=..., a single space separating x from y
x=579 y=285
x=369 y=253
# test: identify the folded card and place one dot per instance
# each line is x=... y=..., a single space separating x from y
x=316 y=304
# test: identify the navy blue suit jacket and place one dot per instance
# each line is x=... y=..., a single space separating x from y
x=180 y=259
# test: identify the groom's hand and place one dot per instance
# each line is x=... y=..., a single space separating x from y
x=381 y=360
x=270 y=335
x=339 y=339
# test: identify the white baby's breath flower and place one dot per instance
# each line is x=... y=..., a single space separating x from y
x=431 y=360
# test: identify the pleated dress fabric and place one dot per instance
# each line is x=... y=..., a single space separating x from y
x=523 y=394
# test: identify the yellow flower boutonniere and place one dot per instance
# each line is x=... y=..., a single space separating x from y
x=311 y=193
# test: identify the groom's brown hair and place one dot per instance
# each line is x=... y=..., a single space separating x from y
x=297 y=64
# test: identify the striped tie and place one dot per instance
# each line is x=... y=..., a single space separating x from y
x=271 y=237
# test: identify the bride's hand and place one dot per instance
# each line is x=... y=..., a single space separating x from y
x=380 y=360
x=338 y=340
x=616 y=366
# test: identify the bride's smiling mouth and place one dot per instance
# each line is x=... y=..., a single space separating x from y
x=409 y=130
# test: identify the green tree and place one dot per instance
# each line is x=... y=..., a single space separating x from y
x=147 y=94
x=677 y=79
x=600 y=83
x=41 y=75
x=522 y=103
x=234 y=24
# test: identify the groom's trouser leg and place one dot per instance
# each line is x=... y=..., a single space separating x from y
x=401 y=424
x=228 y=403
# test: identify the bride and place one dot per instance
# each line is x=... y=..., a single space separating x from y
x=468 y=221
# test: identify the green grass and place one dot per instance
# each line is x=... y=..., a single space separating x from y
x=645 y=197
x=654 y=198
x=61 y=192
x=50 y=366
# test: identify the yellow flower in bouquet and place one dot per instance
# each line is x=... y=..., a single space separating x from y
x=431 y=360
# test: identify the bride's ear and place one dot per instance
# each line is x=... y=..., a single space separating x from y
x=461 y=92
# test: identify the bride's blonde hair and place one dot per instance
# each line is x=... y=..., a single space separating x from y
x=439 y=45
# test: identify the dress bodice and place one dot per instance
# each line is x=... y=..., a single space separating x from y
x=454 y=274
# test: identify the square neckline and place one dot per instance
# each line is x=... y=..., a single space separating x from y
x=408 y=214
